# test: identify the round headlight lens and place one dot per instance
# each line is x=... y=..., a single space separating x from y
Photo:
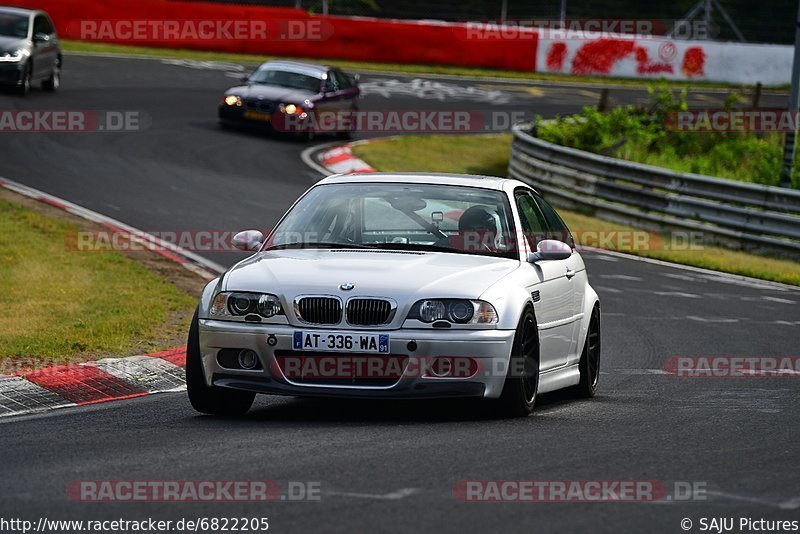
x=233 y=100
x=461 y=311
x=239 y=304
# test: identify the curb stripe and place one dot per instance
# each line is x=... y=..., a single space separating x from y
x=18 y=395
x=150 y=374
x=340 y=160
x=176 y=356
x=84 y=384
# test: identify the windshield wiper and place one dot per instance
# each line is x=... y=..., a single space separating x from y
x=413 y=246
x=318 y=245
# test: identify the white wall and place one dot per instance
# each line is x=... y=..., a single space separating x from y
x=654 y=57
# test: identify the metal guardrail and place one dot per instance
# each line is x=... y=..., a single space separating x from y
x=738 y=214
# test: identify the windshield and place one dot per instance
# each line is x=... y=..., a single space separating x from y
x=13 y=25
x=283 y=78
x=445 y=218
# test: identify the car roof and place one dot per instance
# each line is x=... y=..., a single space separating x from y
x=469 y=180
x=309 y=69
x=18 y=10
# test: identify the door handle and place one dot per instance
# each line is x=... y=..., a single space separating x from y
x=570 y=273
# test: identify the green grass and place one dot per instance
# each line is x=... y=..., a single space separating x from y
x=254 y=59
x=489 y=155
x=60 y=304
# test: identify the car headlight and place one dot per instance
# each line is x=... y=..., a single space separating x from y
x=458 y=311
x=12 y=57
x=232 y=100
x=290 y=109
x=242 y=304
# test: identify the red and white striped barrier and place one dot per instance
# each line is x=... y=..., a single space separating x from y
x=340 y=160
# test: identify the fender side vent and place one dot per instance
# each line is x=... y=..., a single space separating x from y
x=535 y=296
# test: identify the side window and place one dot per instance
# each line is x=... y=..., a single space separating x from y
x=50 y=27
x=533 y=223
x=342 y=79
x=331 y=84
x=39 y=25
x=42 y=24
x=556 y=228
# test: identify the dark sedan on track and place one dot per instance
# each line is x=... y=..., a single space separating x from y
x=292 y=97
x=29 y=50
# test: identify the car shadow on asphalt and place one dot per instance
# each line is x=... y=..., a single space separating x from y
x=305 y=410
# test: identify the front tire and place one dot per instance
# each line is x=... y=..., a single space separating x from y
x=27 y=80
x=53 y=83
x=589 y=364
x=209 y=399
x=522 y=379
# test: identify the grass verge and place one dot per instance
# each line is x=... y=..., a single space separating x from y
x=489 y=155
x=362 y=66
x=66 y=305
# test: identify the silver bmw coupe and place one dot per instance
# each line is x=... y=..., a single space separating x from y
x=398 y=286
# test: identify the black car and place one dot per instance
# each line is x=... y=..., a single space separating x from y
x=298 y=98
x=29 y=50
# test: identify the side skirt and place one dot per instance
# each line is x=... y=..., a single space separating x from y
x=560 y=378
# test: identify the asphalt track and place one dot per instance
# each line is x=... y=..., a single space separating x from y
x=391 y=467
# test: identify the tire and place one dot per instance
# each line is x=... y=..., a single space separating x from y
x=347 y=134
x=209 y=399
x=27 y=77
x=522 y=379
x=589 y=364
x=53 y=83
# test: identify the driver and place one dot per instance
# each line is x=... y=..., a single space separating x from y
x=477 y=229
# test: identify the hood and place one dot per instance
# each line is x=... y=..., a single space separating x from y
x=403 y=276
x=9 y=44
x=271 y=93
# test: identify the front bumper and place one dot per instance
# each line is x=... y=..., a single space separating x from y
x=489 y=348
x=11 y=74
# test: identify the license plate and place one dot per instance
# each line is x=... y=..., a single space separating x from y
x=257 y=116
x=339 y=342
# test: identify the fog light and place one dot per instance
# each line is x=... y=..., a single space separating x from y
x=248 y=359
x=441 y=367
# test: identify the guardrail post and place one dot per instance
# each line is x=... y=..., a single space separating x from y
x=794 y=104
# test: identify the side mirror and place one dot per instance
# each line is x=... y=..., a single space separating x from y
x=244 y=77
x=41 y=38
x=356 y=77
x=248 y=241
x=550 y=249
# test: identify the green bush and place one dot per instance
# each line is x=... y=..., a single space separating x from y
x=642 y=134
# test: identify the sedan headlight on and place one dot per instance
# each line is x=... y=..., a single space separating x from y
x=291 y=109
x=457 y=311
x=233 y=100
x=12 y=57
x=243 y=304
